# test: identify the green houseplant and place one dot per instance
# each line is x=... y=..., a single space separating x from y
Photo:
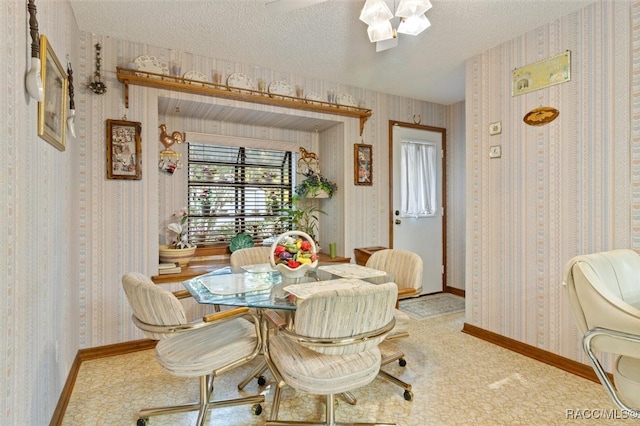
x=179 y=249
x=302 y=217
x=315 y=186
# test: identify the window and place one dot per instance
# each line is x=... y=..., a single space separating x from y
x=418 y=180
x=234 y=189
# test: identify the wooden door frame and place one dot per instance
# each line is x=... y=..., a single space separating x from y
x=443 y=135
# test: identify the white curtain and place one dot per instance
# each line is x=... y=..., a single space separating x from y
x=418 y=181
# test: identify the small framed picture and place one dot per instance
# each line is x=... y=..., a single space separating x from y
x=124 y=150
x=363 y=164
x=52 y=109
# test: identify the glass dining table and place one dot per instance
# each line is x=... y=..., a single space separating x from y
x=259 y=286
x=263 y=288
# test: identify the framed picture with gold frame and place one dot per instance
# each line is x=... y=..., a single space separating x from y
x=124 y=150
x=52 y=108
x=362 y=164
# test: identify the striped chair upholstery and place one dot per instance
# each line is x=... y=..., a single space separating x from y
x=243 y=257
x=329 y=369
x=250 y=256
x=406 y=268
x=201 y=348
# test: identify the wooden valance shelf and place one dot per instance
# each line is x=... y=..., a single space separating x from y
x=178 y=84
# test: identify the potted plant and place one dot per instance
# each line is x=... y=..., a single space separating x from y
x=179 y=249
x=302 y=217
x=205 y=201
x=315 y=186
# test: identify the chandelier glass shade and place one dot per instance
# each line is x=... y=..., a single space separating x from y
x=410 y=8
x=414 y=25
x=375 y=11
x=380 y=31
x=377 y=15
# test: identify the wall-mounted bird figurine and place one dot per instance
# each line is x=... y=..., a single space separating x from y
x=168 y=140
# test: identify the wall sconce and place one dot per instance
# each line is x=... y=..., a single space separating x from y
x=33 y=80
x=72 y=105
x=169 y=159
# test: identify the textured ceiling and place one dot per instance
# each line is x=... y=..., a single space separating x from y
x=326 y=40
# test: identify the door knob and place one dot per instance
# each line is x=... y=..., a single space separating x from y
x=398 y=221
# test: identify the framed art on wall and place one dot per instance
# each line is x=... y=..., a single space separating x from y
x=124 y=150
x=52 y=108
x=541 y=74
x=363 y=164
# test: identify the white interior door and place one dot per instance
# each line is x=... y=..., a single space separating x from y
x=422 y=235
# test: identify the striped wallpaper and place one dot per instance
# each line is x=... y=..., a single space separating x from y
x=565 y=188
x=559 y=190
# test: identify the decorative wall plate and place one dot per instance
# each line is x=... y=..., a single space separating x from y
x=280 y=88
x=195 y=75
x=152 y=64
x=346 y=100
x=541 y=116
x=314 y=98
x=240 y=81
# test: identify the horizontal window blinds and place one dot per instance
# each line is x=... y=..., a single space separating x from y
x=235 y=189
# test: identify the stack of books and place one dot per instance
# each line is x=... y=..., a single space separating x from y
x=169 y=268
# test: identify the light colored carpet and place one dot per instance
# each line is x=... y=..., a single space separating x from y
x=457 y=379
x=431 y=306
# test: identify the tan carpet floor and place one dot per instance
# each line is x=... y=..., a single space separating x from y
x=457 y=380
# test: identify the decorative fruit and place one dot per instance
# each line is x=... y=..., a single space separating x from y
x=294 y=252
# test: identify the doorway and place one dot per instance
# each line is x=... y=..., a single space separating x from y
x=422 y=232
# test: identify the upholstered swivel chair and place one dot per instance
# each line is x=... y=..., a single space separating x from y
x=204 y=348
x=244 y=257
x=250 y=256
x=406 y=268
x=334 y=347
x=604 y=292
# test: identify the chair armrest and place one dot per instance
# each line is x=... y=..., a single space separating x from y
x=182 y=294
x=179 y=294
x=339 y=341
x=225 y=314
x=406 y=291
x=274 y=319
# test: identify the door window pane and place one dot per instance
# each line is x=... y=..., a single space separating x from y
x=418 y=179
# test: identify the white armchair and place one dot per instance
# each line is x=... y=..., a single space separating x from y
x=201 y=348
x=604 y=292
x=406 y=268
x=250 y=256
x=334 y=347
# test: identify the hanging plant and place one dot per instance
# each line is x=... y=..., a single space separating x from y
x=314 y=185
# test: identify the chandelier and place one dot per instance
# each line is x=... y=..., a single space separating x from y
x=377 y=15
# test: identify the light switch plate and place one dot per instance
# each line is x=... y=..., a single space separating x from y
x=495 y=151
x=495 y=128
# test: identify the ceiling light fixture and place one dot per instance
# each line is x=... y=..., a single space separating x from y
x=377 y=15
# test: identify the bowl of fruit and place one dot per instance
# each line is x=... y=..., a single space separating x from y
x=293 y=253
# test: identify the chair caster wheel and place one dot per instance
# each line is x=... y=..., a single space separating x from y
x=142 y=421
x=408 y=395
x=256 y=410
x=402 y=362
x=262 y=381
